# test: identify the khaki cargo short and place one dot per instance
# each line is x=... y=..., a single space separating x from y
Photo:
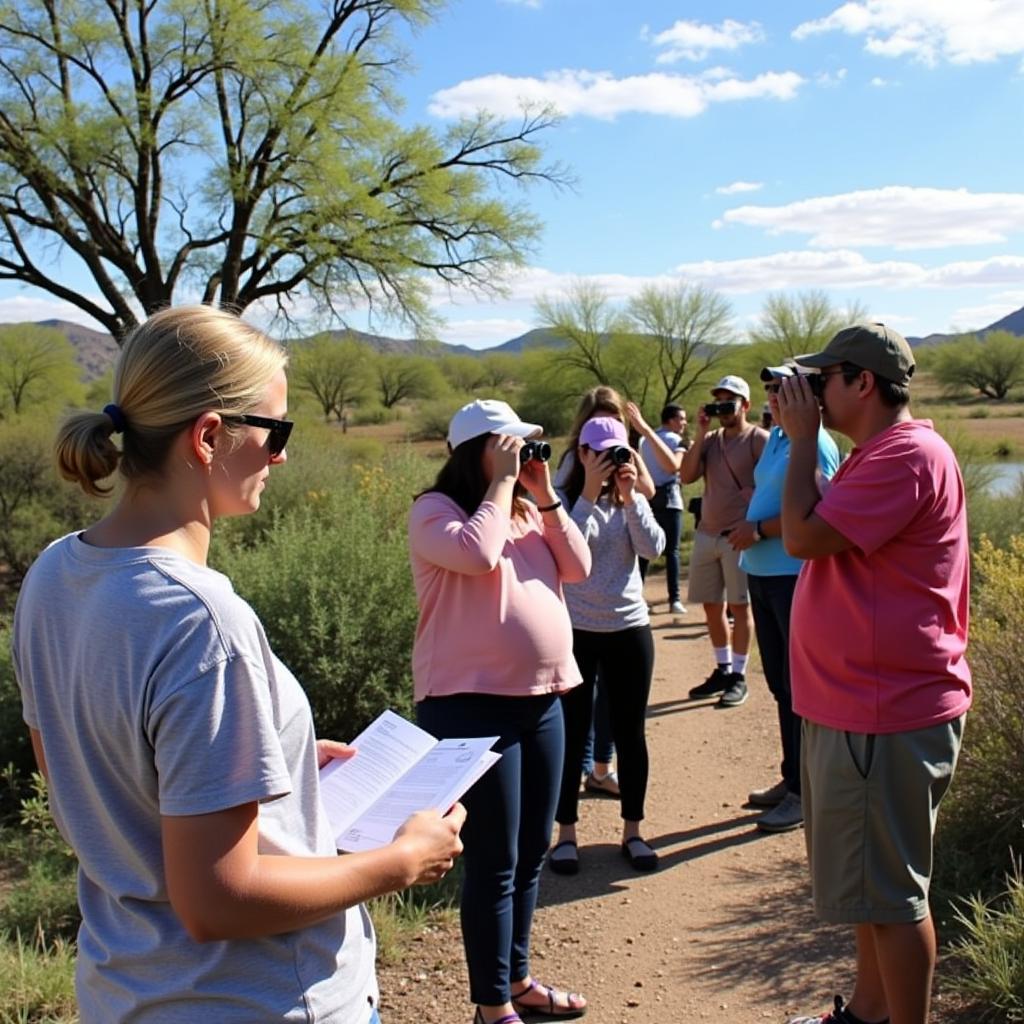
x=715 y=573
x=870 y=803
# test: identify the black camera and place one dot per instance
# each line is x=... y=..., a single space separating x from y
x=619 y=455
x=816 y=382
x=538 y=450
x=720 y=408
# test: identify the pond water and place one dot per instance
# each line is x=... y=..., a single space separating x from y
x=1006 y=477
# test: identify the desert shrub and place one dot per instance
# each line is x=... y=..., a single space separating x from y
x=330 y=580
x=36 y=506
x=18 y=759
x=432 y=418
x=37 y=981
x=371 y=413
x=991 y=951
x=42 y=896
x=981 y=829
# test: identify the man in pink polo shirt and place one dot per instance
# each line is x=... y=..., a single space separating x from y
x=879 y=629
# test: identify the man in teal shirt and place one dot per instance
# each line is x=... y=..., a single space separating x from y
x=771 y=578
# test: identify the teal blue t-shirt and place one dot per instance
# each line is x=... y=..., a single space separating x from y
x=768 y=557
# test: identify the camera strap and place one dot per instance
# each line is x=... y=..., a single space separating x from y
x=725 y=457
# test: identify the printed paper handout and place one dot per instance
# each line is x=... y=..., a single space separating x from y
x=398 y=769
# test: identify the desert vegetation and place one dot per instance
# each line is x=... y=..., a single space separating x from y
x=325 y=566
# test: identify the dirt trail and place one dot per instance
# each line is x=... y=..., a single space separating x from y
x=723 y=931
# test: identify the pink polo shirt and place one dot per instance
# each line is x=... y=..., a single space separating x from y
x=878 y=632
x=492 y=618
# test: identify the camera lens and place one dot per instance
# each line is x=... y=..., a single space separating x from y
x=620 y=455
x=720 y=408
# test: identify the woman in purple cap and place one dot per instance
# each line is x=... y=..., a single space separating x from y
x=611 y=630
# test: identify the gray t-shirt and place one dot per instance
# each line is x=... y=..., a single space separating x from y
x=612 y=596
x=156 y=693
x=664 y=480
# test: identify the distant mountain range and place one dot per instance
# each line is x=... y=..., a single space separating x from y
x=96 y=350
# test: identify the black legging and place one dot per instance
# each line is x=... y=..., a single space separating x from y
x=626 y=663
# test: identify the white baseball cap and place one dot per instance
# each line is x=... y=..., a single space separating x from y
x=488 y=416
x=737 y=385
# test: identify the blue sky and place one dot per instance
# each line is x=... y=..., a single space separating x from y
x=873 y=150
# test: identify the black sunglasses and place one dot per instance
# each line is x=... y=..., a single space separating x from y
x=280 y=430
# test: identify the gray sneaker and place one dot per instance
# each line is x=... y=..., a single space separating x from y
x=735 y=693
x=787 y=816
x=769 y=796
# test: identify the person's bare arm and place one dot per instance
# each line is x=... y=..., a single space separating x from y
x=804 y=534
x=691 y=468
x=222 y=887
x=669 y=460
x=37 y=749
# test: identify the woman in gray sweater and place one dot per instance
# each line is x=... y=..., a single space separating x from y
x=611 y=630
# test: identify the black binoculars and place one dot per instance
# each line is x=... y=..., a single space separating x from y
x=539 y=450
x=720 y=408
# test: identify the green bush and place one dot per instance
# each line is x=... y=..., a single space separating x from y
x=42 y=897
x=432 y=418
x=331 y=582
x=991 y=951
x=36 y=506
x=19 y=761
x=981 y=829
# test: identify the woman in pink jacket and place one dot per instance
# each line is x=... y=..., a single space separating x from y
x=493 y=652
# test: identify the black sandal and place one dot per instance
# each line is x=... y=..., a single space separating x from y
x=642 y=860
x=568 y=865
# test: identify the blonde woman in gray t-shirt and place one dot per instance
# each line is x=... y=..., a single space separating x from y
x=179 y=752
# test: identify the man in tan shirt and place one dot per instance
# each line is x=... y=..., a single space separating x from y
x=725 y=458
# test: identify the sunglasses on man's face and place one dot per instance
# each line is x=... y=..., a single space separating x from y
x=280 y=430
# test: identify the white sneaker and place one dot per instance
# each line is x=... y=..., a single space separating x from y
x=787 y=816
x=677 y=608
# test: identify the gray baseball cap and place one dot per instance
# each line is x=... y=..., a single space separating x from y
x=872 y=347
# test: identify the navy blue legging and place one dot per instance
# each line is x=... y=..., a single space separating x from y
x=508 y=827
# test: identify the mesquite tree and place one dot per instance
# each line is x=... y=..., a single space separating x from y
x=244 y=151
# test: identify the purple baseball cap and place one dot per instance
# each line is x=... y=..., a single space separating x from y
x=602 y=433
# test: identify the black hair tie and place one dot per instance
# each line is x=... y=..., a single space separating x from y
x=116 y=417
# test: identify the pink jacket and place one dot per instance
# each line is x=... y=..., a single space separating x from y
x=492 y=617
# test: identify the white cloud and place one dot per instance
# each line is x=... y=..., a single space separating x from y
x=15 y=309
x=999 y=270
x=739 y=186
x=971 y=318
x=600 y=94
x=483 y=332
x=533 y=4
x=840 y=268
x=691 y=40
x=929 y=31
x=781 y=271
x=896 y=216
x=880 y=83
x=830 y=79
x=898 y=320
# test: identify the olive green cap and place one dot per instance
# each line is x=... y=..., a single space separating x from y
x=872 y=347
